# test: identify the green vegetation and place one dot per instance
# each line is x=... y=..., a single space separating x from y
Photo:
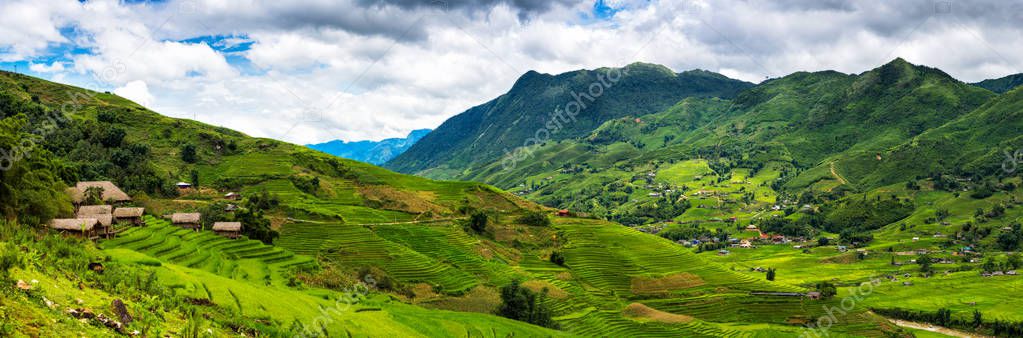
x=738 y=203
x=531 y=105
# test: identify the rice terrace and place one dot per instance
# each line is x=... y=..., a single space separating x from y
x=504 y=168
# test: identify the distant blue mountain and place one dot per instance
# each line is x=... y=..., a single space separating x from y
x=371 y=151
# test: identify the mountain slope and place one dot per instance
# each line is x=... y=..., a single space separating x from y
x=373 y=152
x=539 y=107
x=804 y=127
x=1003 y=84
x=342 y=221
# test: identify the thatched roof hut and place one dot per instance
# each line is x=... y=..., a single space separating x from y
x=128 y=212
x=183 y=217
x=227 y=226
x=228 y=229
x=103 y=219
x=74 y=224
x=110 y=191
x=95 y=210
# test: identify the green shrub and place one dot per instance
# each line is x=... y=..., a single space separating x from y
x=534 y=218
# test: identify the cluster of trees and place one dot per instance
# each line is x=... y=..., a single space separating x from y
x=306 y=183
x=690 y=232
x=255 y=225
x=534 y=218
x=805 y=226
x=1012 y=262
x=826 y=289
x=31 y=189
x=867 y=214
x=1010 y=240
x=522 y=304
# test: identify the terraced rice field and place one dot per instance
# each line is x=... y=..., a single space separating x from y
x=609 y=257
x=233 y=258
x=355 y=245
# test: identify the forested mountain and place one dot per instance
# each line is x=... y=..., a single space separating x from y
x=805 y=124
x=542 y=107
x=1002 y=84
x=373 y=152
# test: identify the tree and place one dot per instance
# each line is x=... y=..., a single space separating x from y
x=534 y=218
x=558 y=258
x=827 y=289
x=188 y=153
x=925 y=263
x=1013 y=261
x=770 y=274
x=977 y=318
x=478 y=222
x=194 y=176
x=522 y=304
x=31 y=189
x=823 y=241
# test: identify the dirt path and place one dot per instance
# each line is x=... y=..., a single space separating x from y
x=937 y=329
x=841 y=180
x=364 y=224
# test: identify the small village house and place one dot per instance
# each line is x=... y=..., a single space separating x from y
x=813 y=295
x=131 y=216
x=183 y=185
x=745 y=244
x=228 y=229
x=233 y=196
x=111 y=193
x=187 y=220
x=751 y=227
x=76 y=226
x=563 y=213
x=103 y=216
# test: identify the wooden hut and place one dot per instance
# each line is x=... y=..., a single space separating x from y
x=111 y=193
x=228 y=229
x=102 y=214
x=131 y=216
x=187 y=220
x=232 y=196
x=85 y=227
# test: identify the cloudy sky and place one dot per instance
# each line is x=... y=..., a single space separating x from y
x=315 y=70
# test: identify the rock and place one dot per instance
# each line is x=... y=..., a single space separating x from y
x=49 y=303
x=24 y=286
x=121 y=311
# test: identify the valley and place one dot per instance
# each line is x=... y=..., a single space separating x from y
x=796 y=207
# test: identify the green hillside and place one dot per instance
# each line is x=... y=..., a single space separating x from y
x=1002 y=84
x=540 y=107
x=332 y=247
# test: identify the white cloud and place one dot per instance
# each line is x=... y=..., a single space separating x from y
x=56 y=66
x=377 y=71
x=136 y=91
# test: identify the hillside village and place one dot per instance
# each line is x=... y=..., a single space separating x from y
x=104 y=221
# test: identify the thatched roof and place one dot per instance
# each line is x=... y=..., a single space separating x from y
x=128 y=212
x=182 y=217
x=87 y=210
x=227 y=226
x=110 y=191
x=74 y=224
x=104 y=219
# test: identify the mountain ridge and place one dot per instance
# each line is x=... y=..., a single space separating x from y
x=373 y=152
x=536 y=99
